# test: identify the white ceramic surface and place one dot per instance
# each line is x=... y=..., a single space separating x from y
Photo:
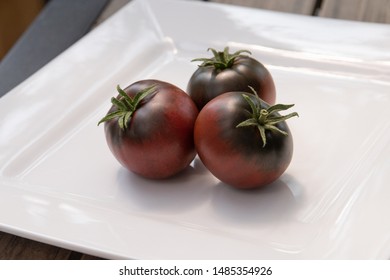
x=59 y=183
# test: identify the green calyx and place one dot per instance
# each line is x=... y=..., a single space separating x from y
x=266 y=118
x=126 y=106
x=221 y=60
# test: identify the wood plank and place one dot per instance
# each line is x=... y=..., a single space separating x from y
x=359 y=10
x=17 y=248
x=305 y=7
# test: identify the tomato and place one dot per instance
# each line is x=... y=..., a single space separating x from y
x=242 y=140
x=149 y=128
x=230 y=72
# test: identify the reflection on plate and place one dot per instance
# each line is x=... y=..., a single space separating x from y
x=59 y=183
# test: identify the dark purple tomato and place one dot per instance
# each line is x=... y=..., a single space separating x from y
x=242 y=140
x=230 y=72
x=149 y=128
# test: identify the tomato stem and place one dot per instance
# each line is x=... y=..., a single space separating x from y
x=265 y=118
x=222 y=59
x=125 y=106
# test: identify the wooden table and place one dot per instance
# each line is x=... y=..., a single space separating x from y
x=359 y=10
x=14 y=247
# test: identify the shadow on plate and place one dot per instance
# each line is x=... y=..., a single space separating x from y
x=182 y=192
x=272 y=203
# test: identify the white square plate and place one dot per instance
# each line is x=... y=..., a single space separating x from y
x=60 y=184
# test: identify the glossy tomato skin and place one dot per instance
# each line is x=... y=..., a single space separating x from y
x=158 y=142
x=236 y=156
x=207 y=82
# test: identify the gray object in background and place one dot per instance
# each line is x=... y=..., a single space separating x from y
x=58 y=26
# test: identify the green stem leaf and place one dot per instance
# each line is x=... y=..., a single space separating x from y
x=110 y=116
x=262 y=134
x=265 y=118
x=220 y=60
x=248 y=122
x=278 y=119
x=279 y=107
x=125 y=106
